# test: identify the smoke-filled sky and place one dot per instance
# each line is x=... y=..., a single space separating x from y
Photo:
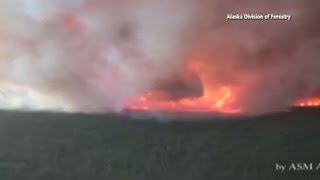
x=93 y=55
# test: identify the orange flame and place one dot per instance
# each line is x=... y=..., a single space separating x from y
x=308 y=102
x=215 y=101
x=214 y=98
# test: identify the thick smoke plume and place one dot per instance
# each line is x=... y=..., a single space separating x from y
x=94 y=55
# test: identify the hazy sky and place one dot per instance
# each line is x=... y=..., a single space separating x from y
x=92 y=55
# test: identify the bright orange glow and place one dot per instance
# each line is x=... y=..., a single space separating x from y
x=308 y=102
x=215 y=98
x=219 y=100
x=219 y=103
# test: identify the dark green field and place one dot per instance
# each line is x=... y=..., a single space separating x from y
x=53 y=146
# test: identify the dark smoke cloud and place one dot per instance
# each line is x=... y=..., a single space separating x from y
x=85 y=55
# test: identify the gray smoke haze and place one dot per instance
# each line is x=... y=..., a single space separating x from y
x=93 y=55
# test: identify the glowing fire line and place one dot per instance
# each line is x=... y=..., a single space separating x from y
x=215 y=101
x=308 y=102
x=215 y=98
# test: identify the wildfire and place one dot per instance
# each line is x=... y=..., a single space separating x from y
x=214 y=97
x=219 y=100
x=217 y=96
x=308 y=102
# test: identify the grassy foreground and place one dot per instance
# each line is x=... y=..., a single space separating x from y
x=49 y=146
